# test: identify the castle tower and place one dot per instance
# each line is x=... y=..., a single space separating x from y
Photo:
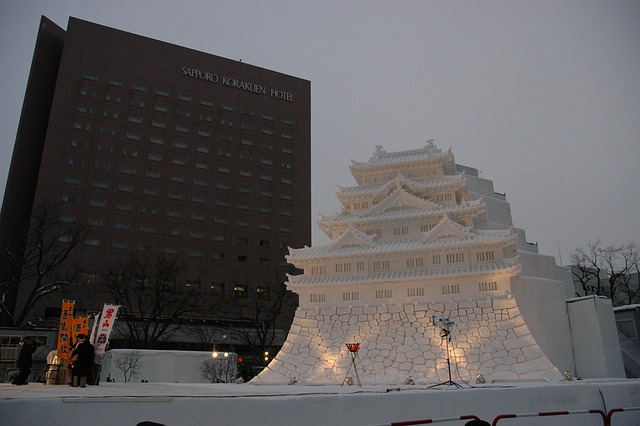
x=420 y=238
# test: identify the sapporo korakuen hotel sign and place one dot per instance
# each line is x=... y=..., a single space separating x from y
x=234 y=82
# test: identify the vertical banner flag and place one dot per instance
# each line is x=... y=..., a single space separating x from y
x=81 y=326
x=105 y=326
x=94 y=328
x=65 y=329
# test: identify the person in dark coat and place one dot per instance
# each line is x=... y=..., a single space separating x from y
x=25 y=361
x=83 y=358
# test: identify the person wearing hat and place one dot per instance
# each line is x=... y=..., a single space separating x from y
x=83 y=356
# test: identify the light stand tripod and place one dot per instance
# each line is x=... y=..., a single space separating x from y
x=445 y=333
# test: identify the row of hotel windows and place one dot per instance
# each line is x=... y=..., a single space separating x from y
x=449 y=289
x=110 y=130
x=163 y=93
x=239 y=290
x=414 y=262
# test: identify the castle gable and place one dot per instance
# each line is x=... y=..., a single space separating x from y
x=447 y=229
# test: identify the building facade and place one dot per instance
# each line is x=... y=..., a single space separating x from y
x=428 y=276
x=160 y=150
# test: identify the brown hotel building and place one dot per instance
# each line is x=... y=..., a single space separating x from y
x=162 y=150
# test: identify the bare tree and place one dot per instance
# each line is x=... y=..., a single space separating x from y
x=152 y=299
x=128 y=363
x=610 y=271
x=37 y=262
x=262 y=308
x=220 y=369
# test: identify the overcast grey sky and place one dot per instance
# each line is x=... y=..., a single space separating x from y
x=542 y=96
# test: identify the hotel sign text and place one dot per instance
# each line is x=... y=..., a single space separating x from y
x=238 y=84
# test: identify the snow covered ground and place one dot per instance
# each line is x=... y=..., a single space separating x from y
x=254 y=404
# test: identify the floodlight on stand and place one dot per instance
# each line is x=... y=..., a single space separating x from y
x=445 y=326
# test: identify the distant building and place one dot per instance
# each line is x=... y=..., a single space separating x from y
x=425 y=265
x=162 y=150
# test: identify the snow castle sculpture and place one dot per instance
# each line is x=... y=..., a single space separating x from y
x=419 y=238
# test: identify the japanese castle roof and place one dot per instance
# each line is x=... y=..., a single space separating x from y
x=402 y=275
x=400 y=181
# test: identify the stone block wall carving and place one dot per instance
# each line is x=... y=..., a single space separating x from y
x=490 y=337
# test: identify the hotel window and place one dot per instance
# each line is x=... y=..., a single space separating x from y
x=73 y=180
x=267 y=145
x=286 y=213
x=121 y=224
x=201 y=199
x=242 y=258
x=81 y=126
x=206 y=102
x=133 y=135
x=182 y=128
x=245 y=173
x=91 y=241
x=227 y=107
x=177 y=178
x=197 y=216
x=162 y=92
x=110 y=114
x=248 y=112
x=135 y=119
x=224 y=153
x=180 y=144
x=115 y=82
x=287 y=135
x=285 y=229
x=198 y=235
x=139 y=87
x=159 y=124
x=267 y=116
x=129 y=152
x=145 y=247
x=202 y=148
x=99 y=183
x=67 y=218
x=160 y=107
x=264 y=226
x=174 y=232
x=244 y=223
x=183 y=112
x=199 y=182
x=285 y=196
x=222 y=185
x=78 y=143
x=224 y=169
x=286 y=165
x=222 y=220
x=287 y=120
x=119 y=244
x=125 y=187
x=75 y=161
x=84 y=108
x=222 y=203
x=185 y=98
x=226 y=122
x=112 y=98
x=286 y=180
x=265 y=176
x=265 y=243
x=175 y=195
x=247 y=142
x=202 y=166
x=265 y=209
x=242 y=241
x=243 y=205
x=96 y=202
x=264 y=261
x=87 y=92
x=247 y=126
x=94 y=221
x=266 y=193
x=156 y=140
x=149 y=229
x=174 y=213
x=152 y=174
x=246 y=157
x=205 y=117
x=154 y=156
x=240 y=290
x=225 y=137
x=128 y=170
x=124 y=206
x=287 y=150
x=137 y=102
x=149 y=210
x=170 y=250
x=105 y=148
x=179 y=161
x=195 y=253
x=149 y=190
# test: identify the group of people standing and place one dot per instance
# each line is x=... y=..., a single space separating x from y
x=80 y=361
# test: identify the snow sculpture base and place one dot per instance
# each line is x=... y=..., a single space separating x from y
x=490 y=338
